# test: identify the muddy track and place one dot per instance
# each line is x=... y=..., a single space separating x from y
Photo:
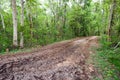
x=60 y=61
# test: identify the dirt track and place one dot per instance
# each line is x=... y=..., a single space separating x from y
x=60 y=61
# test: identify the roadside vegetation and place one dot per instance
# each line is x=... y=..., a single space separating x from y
x=107 y=60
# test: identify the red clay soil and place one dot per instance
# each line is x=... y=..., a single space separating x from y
x=59 y=61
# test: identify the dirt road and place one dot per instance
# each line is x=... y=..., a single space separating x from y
x=59 y=61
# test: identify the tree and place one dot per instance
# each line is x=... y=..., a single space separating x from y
x=22 y=24
x=3 y=23
x=22 y=12
x=14 y=15
x=111 y=18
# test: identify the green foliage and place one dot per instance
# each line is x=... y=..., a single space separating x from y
x=107 y=60
x=78 y=19
x=105 y=43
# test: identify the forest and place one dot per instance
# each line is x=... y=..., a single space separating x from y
x=26 y=24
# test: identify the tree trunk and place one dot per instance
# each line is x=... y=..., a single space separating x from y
x=21 y=40
x=3 y=24
x=31 y=24
x=22 y=24
x=22 y=12
x=64 y=18
x=14 y=14
x=111 y=19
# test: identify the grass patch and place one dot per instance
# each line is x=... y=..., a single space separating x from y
x=107 y=61
x=24 y=50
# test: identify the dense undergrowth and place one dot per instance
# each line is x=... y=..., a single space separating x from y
x=107 y=61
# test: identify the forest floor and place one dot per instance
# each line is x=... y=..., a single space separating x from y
x=66 y=60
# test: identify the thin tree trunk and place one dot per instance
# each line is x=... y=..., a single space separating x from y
x=22 y=24
x=21 y=40
x=31 y=25
x=64 y=18
x=3 y=23
x=111 y=19
x=14 y=14
x=22 y=12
